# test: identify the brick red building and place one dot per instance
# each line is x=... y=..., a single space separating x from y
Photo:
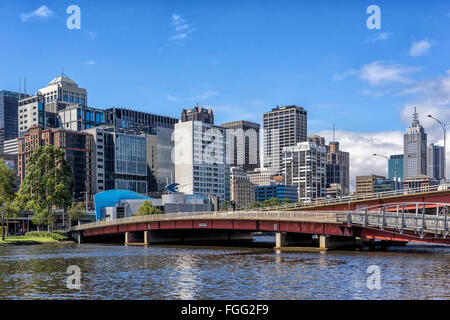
x=79 y=148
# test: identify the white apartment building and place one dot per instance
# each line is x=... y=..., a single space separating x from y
x=200 y=157
x=283 y=127
x=304 y=166
x=261 y=176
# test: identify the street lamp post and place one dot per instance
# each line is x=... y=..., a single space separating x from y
x=444 y=127
x=395 y=169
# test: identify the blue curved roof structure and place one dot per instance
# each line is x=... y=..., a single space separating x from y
x=111 y=198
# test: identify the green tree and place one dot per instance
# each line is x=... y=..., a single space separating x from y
x=40 y=217
x=147 y=208
x=226 y=205
x=48 y=183
x=271 y=202
x=255 y=205
x=6 y=192
x=11 y=210
x=286 y=200
x=76 y=212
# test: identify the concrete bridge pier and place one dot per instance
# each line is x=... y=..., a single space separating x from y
x=283 y=239
x=280 y=240
x=77 y=237
x=337 y=242
x=135 y=238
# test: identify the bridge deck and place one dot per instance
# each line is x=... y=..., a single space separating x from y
x=397 y=218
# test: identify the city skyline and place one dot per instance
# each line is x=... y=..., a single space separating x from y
x=177 y=56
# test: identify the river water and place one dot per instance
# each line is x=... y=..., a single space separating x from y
x=188 y=272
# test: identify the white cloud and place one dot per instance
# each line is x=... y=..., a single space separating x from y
x=379 y=73
x=438 y=90
x=429 y=97
x=420 y=48
x=381 y=37
x=207 y=94
x=42 y=12
x=362 y=146
x=181 y=28
x=172 y=98
x=343 y=75
x=91 y=63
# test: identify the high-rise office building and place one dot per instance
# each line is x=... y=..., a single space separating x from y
x=159 y=157
x=120 y=157
x=78 y=147
x=198 y=114
x=415 y=149
x=78 y=117
x=435 y=162
x=242 y=191
x=10 y=147
x=244 y=144
x=262 y=176
x=283 y=127
x=395 y=168
x=304 y=166
x=200 y=157
x=365 y=184
x=137 y=120
x=338 y=167
x=275 y=190
x=316 y=139
x=42 y=109
x=8 y=115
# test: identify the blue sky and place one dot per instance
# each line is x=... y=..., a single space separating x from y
x=241 y=58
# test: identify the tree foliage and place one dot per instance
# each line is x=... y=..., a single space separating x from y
x=40 y=217
x=76 y=212
x=147 y=208
x=6 y=193
x=48 y=184
x=226 y=205
x=255 y=205
x=271 y=202
x=48 y=181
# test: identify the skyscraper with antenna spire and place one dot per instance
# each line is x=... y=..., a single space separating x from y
x=415 y=149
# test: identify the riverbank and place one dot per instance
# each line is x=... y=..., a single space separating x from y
x=35 y=238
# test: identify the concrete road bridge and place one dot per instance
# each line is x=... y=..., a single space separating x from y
x=395 y=222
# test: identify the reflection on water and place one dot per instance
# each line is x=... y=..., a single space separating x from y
x=169 y=272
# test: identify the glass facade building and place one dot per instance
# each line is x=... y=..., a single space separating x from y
x=130 y=155
x=120 y=160
x=395 y=165
x=276 y=191
x=8 y=116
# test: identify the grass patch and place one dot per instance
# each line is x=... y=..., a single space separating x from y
x=35 y=237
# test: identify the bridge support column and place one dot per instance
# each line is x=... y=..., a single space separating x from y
x=127 y=237
x=78 y=237
x=145 y=238
x=336 y=242
x=280 y=240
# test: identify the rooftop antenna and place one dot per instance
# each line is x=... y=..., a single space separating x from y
x=334 y=138
x=20 y=93
x=25 y=86
x=415 y=117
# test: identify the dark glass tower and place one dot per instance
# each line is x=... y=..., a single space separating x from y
x=8 y=116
